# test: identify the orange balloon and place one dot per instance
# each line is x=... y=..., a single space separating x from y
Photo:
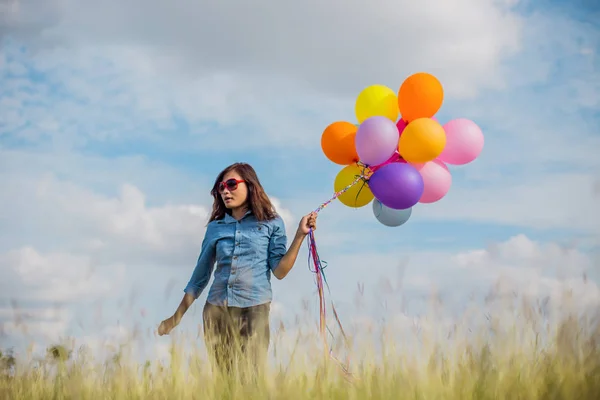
x=420 y=96
x=337 y=142
x=422 y=140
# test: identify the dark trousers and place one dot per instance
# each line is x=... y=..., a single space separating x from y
x=237 y=338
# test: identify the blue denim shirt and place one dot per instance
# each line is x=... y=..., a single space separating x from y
x=245 y=252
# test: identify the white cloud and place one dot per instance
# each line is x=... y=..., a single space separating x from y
x=535 y=270
x=114 y=82
x=43 y=322
x=561 y=200
x=311 y=42
x=122 y=227
x=51 y=278
x=20 y=169
x=381 y=284
x=107 y=228
x=40 y=292
x=289 y=219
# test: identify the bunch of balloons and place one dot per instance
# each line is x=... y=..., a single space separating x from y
x=399 y=148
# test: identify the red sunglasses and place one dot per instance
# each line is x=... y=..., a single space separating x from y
x=230 y=184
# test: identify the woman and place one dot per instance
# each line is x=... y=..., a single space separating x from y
x=247 y=240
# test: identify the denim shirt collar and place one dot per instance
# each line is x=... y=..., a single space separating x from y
x=228 y=219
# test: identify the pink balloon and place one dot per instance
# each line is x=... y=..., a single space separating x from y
x=437 y=180
x=401 y=124
x=464 y=142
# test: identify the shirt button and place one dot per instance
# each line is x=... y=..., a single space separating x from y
x=230 y=285
x=233 y=272
x=235 y=257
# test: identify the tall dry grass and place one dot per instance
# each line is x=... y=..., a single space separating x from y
x=518 y=352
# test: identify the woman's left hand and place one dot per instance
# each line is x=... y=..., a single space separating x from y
x=306 y=223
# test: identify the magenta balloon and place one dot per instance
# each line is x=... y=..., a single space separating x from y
x=464 y=142
x=376 y=140
x=401 y=125
x=397 y=185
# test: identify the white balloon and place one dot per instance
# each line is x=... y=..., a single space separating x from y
x=389 y=216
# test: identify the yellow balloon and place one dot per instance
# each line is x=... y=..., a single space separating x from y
x=358 y=195
x=376 y=100
x=422 y=140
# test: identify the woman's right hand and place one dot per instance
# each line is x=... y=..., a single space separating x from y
x=166 y=326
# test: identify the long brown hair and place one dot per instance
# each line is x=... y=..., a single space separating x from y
x=258 y=201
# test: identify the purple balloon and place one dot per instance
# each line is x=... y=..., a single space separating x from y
x=397 y=185
x=376 y=140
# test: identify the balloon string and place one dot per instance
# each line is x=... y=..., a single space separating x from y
x=338 y=194
x=321 y=281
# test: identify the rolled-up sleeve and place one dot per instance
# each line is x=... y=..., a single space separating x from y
x=204 y=266
x=277 y=243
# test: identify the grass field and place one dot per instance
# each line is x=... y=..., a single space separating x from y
x=526 y=358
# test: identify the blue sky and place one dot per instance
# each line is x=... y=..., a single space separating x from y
x=110 y=140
